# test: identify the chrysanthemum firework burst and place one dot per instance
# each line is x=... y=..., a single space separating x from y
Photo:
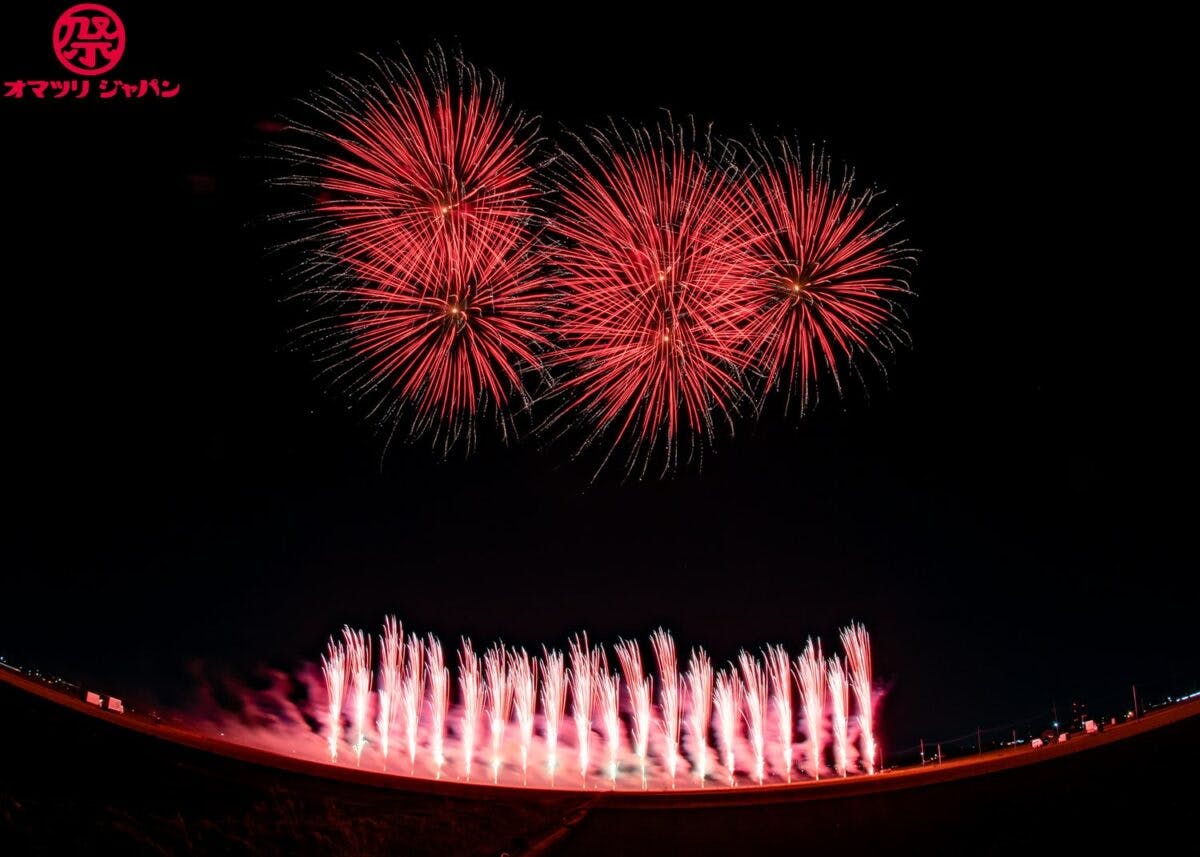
x=676 y=278
x=423 y=241
x=826 y=272
x=652 y=229
x=420 y=167
x=449 y=346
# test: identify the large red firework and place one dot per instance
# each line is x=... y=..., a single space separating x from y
x=449 y=343
x=424 y=204
x=826 y=273
x=679 y=270
x=652 y=233
x=416 y=170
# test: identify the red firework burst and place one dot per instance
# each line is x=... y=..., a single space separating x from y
x=826 y=272
x=424 y=201
x=420 y=170
x=652 y=253
x=450 y=344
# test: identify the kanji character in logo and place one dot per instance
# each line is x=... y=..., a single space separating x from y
x=89 y=39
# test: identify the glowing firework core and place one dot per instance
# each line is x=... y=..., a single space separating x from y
x=727 y=697
x=839 y=699
x=668 y=689
x=554 y=698
x=779 y=669
x=700 y=695
x=391 y=664
x=641 y=690
x=857 y=645
x=585 y=679
x=499 y=690
x=810 y=674
x=358 y=660
x=333 y=666
x=754 y=691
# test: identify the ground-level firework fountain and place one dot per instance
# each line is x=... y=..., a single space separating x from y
x=638 y=743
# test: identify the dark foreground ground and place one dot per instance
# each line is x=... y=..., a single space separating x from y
x=73 y=782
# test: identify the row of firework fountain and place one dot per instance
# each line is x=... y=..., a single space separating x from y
x=750 y=704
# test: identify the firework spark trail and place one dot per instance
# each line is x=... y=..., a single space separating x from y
x=439 y=699
x=522 y=673
x=499 y=701
x=727 y=697
x=470 y=685
x=856 y=642
x=699 y=683
x=610 y=715
x=668 y=694
x=641 y=691
x=652 y=257
x=826 y=272
x=358 y=662
x=754 y=691
x=391 y=665
x=810 y=675
x=333 y=667
x=412 y=692
x=780 y=671
x=839 y=695
x=584 y=678
x=554 y=701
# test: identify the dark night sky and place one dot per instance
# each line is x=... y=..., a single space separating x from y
x=1009 y=511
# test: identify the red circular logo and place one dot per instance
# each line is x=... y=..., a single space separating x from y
x=89 y=38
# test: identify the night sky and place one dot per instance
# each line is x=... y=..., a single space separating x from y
x=1009 y=509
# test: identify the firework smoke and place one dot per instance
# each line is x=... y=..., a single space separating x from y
x=391 y=664
x=610 y=716
x=585 y=677
x=412 y=691
x=780 y=672
x=499 y=701
x=700 y=692
x=522 y=672
x=668 y=694
x=333 y=666
x=856 y=642
x=754 y=691
x=727 y=698
x=810 y=675
x=470 y=685
x=641 y=690
x=839 y=697
x=554 y=700
x=439 y=699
